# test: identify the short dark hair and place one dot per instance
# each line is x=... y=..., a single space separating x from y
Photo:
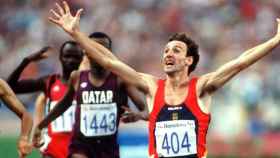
x=64 y=44
x=192 y=48
x=108 y=43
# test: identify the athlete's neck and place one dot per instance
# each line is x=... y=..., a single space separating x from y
x=65 y=75
x=97 y=79
x=98 y=72
x=177 y=79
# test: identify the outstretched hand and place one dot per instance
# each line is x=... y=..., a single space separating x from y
x=39 y=55
x=64 y=19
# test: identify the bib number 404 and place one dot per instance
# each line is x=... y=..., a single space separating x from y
x=173 y=143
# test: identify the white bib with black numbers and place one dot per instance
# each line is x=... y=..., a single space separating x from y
x=64 y=123
x=175 y=138
x=98 y=119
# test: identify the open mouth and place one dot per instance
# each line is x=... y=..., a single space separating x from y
x=169 y=62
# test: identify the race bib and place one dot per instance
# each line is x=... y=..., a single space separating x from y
x=98 y=119
x=175 y=138
x=64 y=123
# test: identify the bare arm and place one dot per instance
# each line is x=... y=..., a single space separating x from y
x=209 y=83
x=27 y=85
x=38 y=117
x=96 y=51
x=132 y=116
x=139 y=100
x=137 y=97
x=10 y=99
x=39 y=108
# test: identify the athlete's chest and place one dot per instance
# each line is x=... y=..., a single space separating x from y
x=175 y=96
x=172 y=113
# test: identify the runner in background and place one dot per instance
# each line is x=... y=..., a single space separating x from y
x=53 y=86
x=100 y=96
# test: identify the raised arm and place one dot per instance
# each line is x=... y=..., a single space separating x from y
x=27 y=85
x=96 y=51
x=10 y=99
x=209 y=83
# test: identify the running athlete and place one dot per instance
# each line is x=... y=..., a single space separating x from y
x=100 y=95
x=10 y=99
x=53 y=86
x=179 y=105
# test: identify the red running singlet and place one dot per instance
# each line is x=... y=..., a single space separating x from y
x=59 y=131
x=178 y=130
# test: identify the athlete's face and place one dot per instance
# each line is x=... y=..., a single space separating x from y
x=71 y=57
x=174 y=57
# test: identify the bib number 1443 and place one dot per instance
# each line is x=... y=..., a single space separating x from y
x=98 y=119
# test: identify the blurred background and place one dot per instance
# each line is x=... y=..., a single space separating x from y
x=245 y=113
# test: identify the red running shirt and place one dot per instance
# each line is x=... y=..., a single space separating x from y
x=178 y=130
x=59 y=132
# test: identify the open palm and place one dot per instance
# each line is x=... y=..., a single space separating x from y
x=64 y=19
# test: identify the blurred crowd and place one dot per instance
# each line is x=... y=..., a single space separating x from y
x=248 y=107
